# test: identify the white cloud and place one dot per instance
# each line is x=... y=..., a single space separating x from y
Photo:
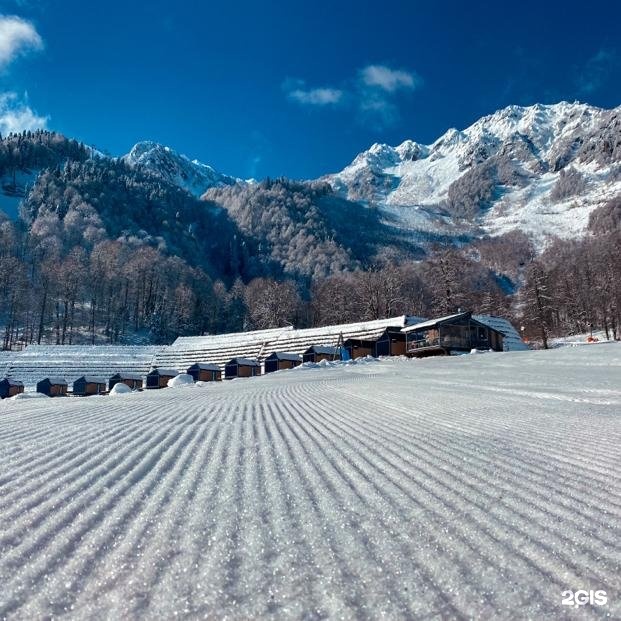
x=17 y=116
x=315 y=96
x=17 y=36
x=373 y=93
x=390 y=80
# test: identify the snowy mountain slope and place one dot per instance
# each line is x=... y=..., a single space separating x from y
x=498 y=174
x=384 y=490
x=191 y=175
x=541 y=169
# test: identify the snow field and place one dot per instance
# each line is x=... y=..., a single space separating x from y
x=462 y=487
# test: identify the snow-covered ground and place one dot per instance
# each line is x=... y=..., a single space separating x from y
x=445 y=488
x=598 y=336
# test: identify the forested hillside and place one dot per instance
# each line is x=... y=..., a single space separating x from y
x=110 y=250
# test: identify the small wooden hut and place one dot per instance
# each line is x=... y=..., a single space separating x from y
x=241 y=367
x=158 y=377
x=317 y=353
x=392 y=342
x=451 y=334
x=205 y=372
x=278 y=361
x=53 y=387
x=88 y=385
x=133 y=380
x=10 y=387
x=359 y=348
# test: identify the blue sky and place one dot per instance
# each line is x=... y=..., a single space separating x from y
x=293 y=88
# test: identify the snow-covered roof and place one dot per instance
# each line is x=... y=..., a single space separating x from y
x=430 y=323
x=358 y=340
x=322 y=349
x=11 y=382
x=512 y=340
x=162 y=371
x=55 y=380
x=232 y=338
x=245 y=362
x=127 y=376
x=221 y=348
x=37 y=362
x=90 y=379
x=205 y=366
x=284 y=356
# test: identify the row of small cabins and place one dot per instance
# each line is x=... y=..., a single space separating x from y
x=159 y=377
x=288 y=348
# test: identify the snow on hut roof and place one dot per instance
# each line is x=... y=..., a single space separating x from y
x=162 y=371
x=12 y=382
x=259 y=344
x=230 y=339
x=91 y=379
x=245 y=362
x=205 y=366
x=512 y=340
x=74 y=361
x=322 y=349
x=55 y=380
x=127 y=376
x=285 y=356
x=430 y=323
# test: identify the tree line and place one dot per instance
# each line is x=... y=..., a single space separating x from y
x=119 y=292
x=574 y=287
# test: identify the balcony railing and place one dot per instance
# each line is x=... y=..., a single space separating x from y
x=447 y=342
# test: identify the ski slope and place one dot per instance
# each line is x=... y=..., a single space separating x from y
x=477 y=486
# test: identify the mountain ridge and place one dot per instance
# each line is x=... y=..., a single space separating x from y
x=499 y=172
x=544 y=170
x=163 y=161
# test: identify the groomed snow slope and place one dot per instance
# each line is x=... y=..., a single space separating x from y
x=462 y=487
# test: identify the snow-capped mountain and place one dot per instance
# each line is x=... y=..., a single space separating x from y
x=164 y=162
x=541 y=169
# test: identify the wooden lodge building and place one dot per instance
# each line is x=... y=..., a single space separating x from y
x=317 y=353
x=132 y=380
x=450 y=334
x=392 y=342
x=88 y=385
x=158 y=378
x=241 y=367
x=205 y=372
x=279 y=361
x=53 y=387
x=10 y=388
